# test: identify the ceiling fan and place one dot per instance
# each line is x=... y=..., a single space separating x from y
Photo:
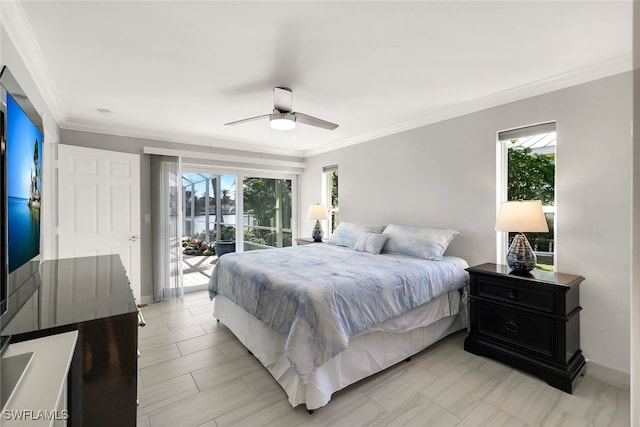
x=283 y=118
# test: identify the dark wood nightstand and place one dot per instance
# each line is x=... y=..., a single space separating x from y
x=306 y=241
x=529 y=322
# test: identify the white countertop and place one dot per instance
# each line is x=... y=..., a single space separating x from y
x=36 y=399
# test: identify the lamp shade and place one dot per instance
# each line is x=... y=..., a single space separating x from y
x=317 y=212
x=521 y=216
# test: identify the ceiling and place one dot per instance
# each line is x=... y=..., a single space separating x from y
x=179 y=70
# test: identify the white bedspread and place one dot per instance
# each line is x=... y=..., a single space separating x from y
x=321 y=295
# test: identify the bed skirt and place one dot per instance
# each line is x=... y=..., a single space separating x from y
x=369 y=352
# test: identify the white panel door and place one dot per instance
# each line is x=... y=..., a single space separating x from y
x=99 y=206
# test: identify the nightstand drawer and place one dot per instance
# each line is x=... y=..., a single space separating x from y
x=531 y=332
x=502 y=290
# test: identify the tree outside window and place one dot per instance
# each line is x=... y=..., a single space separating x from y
x=330 y=195
x=531 y=176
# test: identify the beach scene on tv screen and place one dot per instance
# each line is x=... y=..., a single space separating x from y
x=24 y=183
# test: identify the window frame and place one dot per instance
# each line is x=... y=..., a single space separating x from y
x=332 y=211
x=503 y=138
x=241 y=174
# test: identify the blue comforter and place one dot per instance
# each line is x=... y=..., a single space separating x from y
x=321 y=295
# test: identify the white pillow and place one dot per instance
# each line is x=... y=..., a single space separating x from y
x=419 y=242
x=348 y=233
x=371 y=242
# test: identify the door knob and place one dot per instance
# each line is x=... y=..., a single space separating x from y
x=133 y=238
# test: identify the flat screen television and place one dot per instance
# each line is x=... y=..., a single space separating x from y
x=22 y=137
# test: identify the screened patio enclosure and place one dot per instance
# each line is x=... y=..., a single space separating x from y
x=219 y=216
x=209 y=206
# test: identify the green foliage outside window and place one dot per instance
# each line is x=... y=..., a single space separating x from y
x=333 y=203
x=333 y=183
x=260 y=201
x=531 y=176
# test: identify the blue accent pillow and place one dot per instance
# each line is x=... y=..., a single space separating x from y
x=419 y=242
x=348 y=233
x=371 y=242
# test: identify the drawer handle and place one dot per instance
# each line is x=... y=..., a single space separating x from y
x=511 y=326
x=511 y=295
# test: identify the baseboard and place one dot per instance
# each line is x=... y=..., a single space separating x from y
x=608 y=375
x=148 y=299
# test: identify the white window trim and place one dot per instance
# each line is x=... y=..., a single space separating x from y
x=502 y=238
x=326 y=198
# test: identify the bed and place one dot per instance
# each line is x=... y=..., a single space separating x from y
x=322 y=316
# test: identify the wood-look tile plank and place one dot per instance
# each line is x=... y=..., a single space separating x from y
x=416 y=411
x=525 y=397
x=225 y=371
x=487 y=415
x=352 y=408
x=175 y=367
x=157 y=396
x=142 y=421
x=152 y=328
x=203 y=407
x=592 y=400
x=202 y=342
x=205 y=308
x=212 y=326
x=181 y=322
x=396 y=385
x=461 y=390
x=172 y=337
x=271 y=410
x=262 y=383
x=152 y=356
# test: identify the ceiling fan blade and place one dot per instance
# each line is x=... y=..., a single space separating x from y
x=314 y=121
x=250 y=119
x=282 y=99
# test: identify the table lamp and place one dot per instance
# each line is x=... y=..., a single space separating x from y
x=317 y=212
x=520 y=216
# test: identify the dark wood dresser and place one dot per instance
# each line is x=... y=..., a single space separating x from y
x=530 y=322
x=90 y=295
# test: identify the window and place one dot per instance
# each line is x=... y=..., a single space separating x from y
x=330 y=195
x=527 y=172
x=209 y=206
x=267 y=205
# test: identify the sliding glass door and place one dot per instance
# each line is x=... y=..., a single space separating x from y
x=220 y=216
x=209 y=206
x=209 y=223
x=267 y=212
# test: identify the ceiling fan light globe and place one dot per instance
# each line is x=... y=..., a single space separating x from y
x=282 y=124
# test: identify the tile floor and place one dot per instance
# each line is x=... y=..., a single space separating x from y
x=194 y=372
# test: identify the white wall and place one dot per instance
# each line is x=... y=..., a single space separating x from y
x=635 y=250
x=444 y=175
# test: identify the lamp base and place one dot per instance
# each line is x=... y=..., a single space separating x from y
x=520 y=256
x=316 y=234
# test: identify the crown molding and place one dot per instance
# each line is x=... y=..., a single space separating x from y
x=618 y=65
x=19 y=31
x=299 y=166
